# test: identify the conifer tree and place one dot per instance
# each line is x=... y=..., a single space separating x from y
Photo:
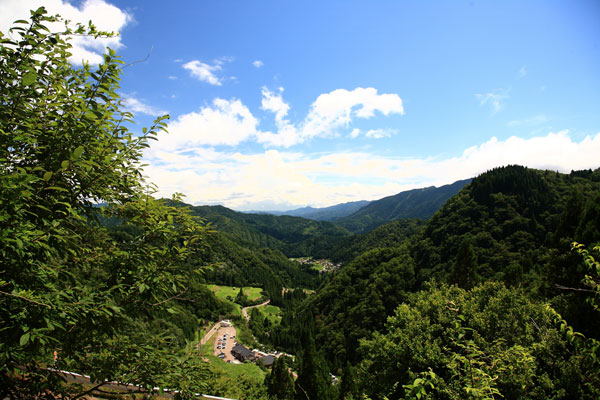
x=280 y=384
x=313 y=381
x=464 y=271
x=349 y=387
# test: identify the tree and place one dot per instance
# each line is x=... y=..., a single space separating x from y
x=486 y=342
x=464 y=272
x=241 y=298
x=349 y=385
x=313 y=381
x=280 y=384
x=66 y=284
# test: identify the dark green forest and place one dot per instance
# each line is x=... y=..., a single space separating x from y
x=487 y=288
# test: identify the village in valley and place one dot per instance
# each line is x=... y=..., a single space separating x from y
x=321 y=265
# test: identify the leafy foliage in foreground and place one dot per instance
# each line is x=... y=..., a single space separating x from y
x=482 y=343
x=114 y=306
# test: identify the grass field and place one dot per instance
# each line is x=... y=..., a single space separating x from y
x=273 y=313
x=230 y=374
x=317 y=266
x=223 y=292
x=228 y=294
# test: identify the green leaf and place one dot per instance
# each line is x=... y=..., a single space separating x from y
x=64 y=164
x=77 y=153
x=24 y=339
x=29 y=78
x=56 y=188
x=47 y=176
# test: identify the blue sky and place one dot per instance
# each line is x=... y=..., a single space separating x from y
x=283 y=104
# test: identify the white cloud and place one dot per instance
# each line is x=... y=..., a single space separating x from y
x=522 y=72
x=274 y=102
x=337 y=109
x=494 y=99
x=135 y=105
x=205 y=72
x=258 y=63
x=292 y=179
x=225 y=122
x=230 y=122
x=329 y=113
x=528 y=122
x=105 y=16
x=377 y=134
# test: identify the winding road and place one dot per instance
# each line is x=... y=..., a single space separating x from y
x=244 y=310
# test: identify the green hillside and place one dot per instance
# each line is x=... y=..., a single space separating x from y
x=294 y=236
x=516 y=225
x=417 y=203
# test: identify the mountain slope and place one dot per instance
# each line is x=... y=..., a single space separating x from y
x=325 y=213
x=416 y=203
x=294 y=236
x=519 y=224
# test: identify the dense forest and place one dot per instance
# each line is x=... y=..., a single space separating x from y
x=484 y=287
x=417 y=203
x=487 y=288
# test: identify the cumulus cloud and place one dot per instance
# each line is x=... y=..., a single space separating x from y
x=105 y=16
x=134 y=105
x=329 y=113
x=258 y=63
x=274 y=102
x=494 y=99
x=225 y=122
x=337 y=109
x=286 y=179
x=205 y=72
x=230 y=122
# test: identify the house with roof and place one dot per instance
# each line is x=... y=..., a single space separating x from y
x=267 y=360
x=242 y=353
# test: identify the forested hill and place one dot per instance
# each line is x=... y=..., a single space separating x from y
x=294 y=236
x=416 y=203
x=511 y=225
x=325 y=213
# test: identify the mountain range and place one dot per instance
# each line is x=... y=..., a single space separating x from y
x=364 y=216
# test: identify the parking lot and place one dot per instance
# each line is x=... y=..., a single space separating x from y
x=223 y=342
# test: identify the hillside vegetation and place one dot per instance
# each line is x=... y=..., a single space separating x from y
x=294 y=236
x=494 y=292
x=416 y=203
x=512 y=226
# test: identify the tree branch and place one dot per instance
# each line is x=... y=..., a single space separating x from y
x=25 y=298
x=573 y=289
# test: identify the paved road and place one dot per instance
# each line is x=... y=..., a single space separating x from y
x=210 y=332
x=244 y=310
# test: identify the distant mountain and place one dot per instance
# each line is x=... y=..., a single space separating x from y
x=294 y=236
x=416 y=203
x=323 y=213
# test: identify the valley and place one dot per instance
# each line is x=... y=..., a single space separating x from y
x=115 y=286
